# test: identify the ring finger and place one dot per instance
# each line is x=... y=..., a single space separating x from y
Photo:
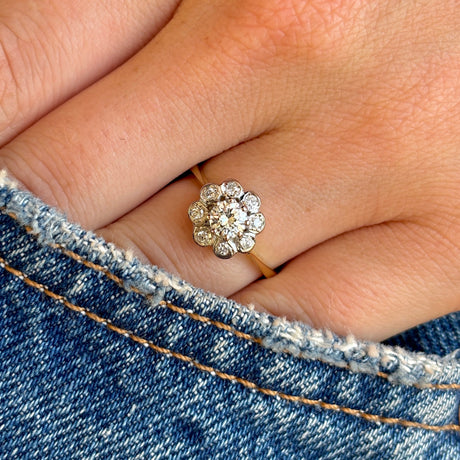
x=301 y=210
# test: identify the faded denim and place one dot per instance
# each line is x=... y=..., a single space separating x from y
x=103 y=357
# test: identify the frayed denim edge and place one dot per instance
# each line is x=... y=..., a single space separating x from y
x=277 y=334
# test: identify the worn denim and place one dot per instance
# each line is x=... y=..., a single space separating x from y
x=103 y=357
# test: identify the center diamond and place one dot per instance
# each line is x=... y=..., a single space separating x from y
x=227 y=219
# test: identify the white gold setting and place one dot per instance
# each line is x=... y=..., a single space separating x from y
x=226 y=218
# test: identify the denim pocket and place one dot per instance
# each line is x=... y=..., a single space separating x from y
x=104 y=357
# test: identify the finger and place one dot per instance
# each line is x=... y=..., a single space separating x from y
x=313 y=191
x=160 y=232
x=174 y=104
x=336 y=195
x=123 y=139
x=50 y=50
x=373 y=282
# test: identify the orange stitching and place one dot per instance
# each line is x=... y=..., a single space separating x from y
x=246 y=383
x=204 y=319
x=243 y=335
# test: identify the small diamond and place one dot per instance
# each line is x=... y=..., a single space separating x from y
x=210 y=192
x=224 y=250
x=256 y=222
x=246 y=243
x=232 y=189
x=198 y=212
x=203 y=236
x=252 y=202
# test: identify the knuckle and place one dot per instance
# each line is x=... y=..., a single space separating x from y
x=425 y=97
x=287 y=27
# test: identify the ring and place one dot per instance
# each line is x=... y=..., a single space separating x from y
x=228 y=219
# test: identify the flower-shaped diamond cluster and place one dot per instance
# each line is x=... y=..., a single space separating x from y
x=226 y=218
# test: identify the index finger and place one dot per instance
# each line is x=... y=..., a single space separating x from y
x=49 y=50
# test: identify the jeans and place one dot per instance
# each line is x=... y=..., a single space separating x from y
x=103 y=357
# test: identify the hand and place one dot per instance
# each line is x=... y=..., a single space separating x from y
x=342 y=115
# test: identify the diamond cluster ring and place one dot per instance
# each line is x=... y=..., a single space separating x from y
x=226 y=218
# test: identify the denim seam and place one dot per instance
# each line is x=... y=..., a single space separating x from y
x=403 y=367
x=203 y=319
x=223 y=375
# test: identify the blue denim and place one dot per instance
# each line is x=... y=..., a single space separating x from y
x=103 y=357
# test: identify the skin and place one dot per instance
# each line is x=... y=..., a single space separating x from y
x=341 y=114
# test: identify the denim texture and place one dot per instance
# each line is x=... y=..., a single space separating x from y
x=103 y=357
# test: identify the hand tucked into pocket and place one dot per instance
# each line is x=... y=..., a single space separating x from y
x=342 y=115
